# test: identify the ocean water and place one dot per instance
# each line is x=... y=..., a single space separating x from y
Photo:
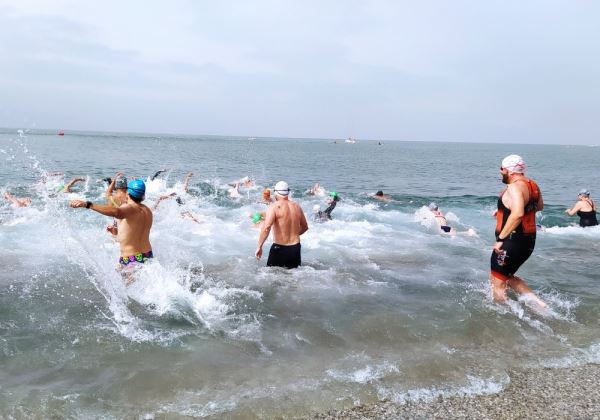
x=384 y=306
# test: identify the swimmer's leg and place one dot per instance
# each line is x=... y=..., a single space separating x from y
x=519 y=286
x=498 y=289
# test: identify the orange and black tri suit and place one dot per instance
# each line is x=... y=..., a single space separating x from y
x=519 y=244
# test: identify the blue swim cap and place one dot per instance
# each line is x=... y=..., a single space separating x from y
x=136 y=189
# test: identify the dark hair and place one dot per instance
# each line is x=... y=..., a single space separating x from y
x=379 y=192
x=137 y=200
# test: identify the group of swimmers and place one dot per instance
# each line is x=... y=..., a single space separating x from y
x=515 y=221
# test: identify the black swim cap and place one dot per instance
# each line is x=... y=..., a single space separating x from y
x=379 y=192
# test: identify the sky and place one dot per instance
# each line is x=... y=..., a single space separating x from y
x=480 y=71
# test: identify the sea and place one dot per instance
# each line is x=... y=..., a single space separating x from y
x=384 y=306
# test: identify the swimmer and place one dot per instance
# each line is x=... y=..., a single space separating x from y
x=379 y=195
x=17 y=202
x=443 y=223
x=585 y=208
x=257 y=218
x=71 y=184
x=515 y=230
x=184 y=214
x=439 y=218
x=325 y=215
x=288 y=223
x=235 y=191
x=247 y=182
x=266 y=197
x=316 y=190
x=134 y=229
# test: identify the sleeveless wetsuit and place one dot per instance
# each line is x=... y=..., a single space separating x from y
x=588 y=218
x=287 y=256
x=518 y=246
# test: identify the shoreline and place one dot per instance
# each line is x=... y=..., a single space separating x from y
x=532 y=393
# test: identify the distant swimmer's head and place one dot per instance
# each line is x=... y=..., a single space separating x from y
x=121 y=183
x=334 y=195
x=433 y=207
x=379 y=193
x=266 y=194
x=107 y=180
x=584 y=192
x=316 y=208
x=282 y=189
x=256 y=218
x=136 y=190
x=514 y=164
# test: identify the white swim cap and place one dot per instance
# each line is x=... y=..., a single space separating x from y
x=584 y=191
x=514 y=163
x=433 y=207
x=282 y=189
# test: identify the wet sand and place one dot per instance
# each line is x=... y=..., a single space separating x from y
x=569 y=393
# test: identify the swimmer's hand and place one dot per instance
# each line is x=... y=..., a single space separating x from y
x=498 y=247
x=112 y=229
x=258 y=253
x=77 y=204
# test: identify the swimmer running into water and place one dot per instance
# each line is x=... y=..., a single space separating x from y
x=288 y=223
x=134 y=228
x=515 y=230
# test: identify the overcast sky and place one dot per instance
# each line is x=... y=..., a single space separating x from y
x=487 y=71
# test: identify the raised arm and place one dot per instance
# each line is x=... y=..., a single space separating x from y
x=187 y=181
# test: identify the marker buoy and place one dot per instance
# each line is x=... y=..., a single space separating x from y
x=61 y=133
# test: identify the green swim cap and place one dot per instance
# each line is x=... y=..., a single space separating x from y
x=333 y=194
x=256 y=217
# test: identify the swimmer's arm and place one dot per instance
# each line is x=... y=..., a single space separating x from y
x=109 y=190
x=540 y=203
x=573 y=211
x=11 y=198
x=187 y=181
x=117 y=212
x=303 y=223
x=266 y=228
x=517 y=211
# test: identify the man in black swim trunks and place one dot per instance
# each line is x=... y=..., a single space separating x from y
x=288 y=222
x=515 y=230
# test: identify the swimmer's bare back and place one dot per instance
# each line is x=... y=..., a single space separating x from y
x=289 y=222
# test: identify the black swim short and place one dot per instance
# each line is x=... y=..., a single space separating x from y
x=287 y=256
x=516 y=250
x=446 y=229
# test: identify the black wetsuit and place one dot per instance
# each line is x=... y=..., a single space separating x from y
x=587 y=218
x=517 y=247
x=287 y=256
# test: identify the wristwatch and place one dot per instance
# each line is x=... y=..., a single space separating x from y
x=88 y=204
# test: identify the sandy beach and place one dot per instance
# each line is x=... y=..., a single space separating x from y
x=569 y=393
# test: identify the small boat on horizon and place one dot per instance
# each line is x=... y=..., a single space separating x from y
x=61 y=133
x=350 y=140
